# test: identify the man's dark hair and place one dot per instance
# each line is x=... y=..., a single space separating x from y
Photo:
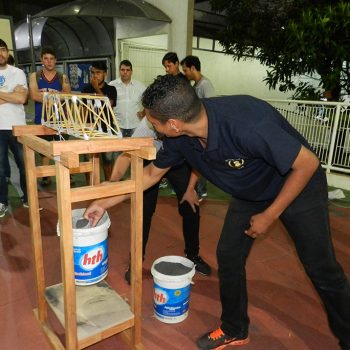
x=126 y=63
x=3 y=44
x=101 y=65
x=192 y=61
x=171 y=97
x=48 y=50
x=171 y=57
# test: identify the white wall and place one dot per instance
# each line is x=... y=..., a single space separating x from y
x=230 y=77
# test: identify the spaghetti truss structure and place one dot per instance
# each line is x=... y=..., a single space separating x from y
x=83 y=116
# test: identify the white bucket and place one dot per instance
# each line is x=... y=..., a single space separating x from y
x=90 y=250
x=172 y=291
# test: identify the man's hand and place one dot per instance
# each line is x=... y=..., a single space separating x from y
x=94 y=213
x=95 y=85
x=191 y=197
x=259 y=225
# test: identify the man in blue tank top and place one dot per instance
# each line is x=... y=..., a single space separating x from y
x=48 y=79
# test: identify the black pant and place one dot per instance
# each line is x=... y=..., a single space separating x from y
x=178 y=177
x=8 y=141
x=307 y=222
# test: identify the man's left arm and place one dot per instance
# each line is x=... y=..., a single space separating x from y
x=113 y=96
x=303 y=168
x=191 y=195
x=66 y=85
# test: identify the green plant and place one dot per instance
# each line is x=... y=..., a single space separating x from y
x=306 y=91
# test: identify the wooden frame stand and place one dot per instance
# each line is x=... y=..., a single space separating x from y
x=67 y=295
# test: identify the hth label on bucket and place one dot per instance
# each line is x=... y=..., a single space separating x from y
x=169 y=303
x=90 y=262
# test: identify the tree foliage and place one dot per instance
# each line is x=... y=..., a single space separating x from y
x=292 y=38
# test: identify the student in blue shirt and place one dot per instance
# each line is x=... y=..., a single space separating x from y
x=245 y=147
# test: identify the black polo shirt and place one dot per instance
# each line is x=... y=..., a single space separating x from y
x=250 y=148
x=107 y=90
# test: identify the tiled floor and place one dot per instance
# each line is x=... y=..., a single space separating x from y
x=285 y=312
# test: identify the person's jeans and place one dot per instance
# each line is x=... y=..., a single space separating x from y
x=307 y=222
x=178 y=177
x=8 y=141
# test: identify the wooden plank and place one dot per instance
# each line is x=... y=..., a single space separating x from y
x=55 y=148
x=84 y=167
x=105 y=334
x=35 y=230
x=67 y=256
x=103 y=190
x=19 y=130
x=45 y=170
x=148 y=153
x=101 y=312
x=98 y=146
x=136 y=214
x=50 y=334
x=69 y=159
x=95 y=175
x=127 y=338
x=50 y=170
x=38 y=144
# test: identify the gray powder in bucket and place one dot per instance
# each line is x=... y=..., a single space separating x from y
x=81 y=223
x=172 y=268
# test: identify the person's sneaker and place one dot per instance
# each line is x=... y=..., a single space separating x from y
x=200 y=265
x=201 y=194
x=26 y=204
x=127 y=275
x=163 y=183
x=218 y=340
x=3 y=209
x=204 y=194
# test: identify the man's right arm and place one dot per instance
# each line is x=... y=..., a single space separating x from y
x=35 y=94
x=120 y=167
x=151 y=175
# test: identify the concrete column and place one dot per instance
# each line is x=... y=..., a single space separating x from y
x=181 y=28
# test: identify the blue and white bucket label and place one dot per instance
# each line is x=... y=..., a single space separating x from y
x=90 y=262
x=171 y=302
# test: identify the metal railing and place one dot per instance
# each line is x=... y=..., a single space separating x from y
x=325 y=125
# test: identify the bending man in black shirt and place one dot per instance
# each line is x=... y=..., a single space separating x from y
x=245 y=147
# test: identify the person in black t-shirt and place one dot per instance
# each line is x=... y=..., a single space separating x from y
x=99 y=86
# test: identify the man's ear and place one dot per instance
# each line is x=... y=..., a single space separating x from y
x=174 y=124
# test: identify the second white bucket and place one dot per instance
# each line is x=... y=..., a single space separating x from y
x=172 y=290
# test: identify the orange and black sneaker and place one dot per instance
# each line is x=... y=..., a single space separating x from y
x=217 y=340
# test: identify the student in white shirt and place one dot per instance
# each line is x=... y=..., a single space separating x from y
x=13 y=94
x=128 y=110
